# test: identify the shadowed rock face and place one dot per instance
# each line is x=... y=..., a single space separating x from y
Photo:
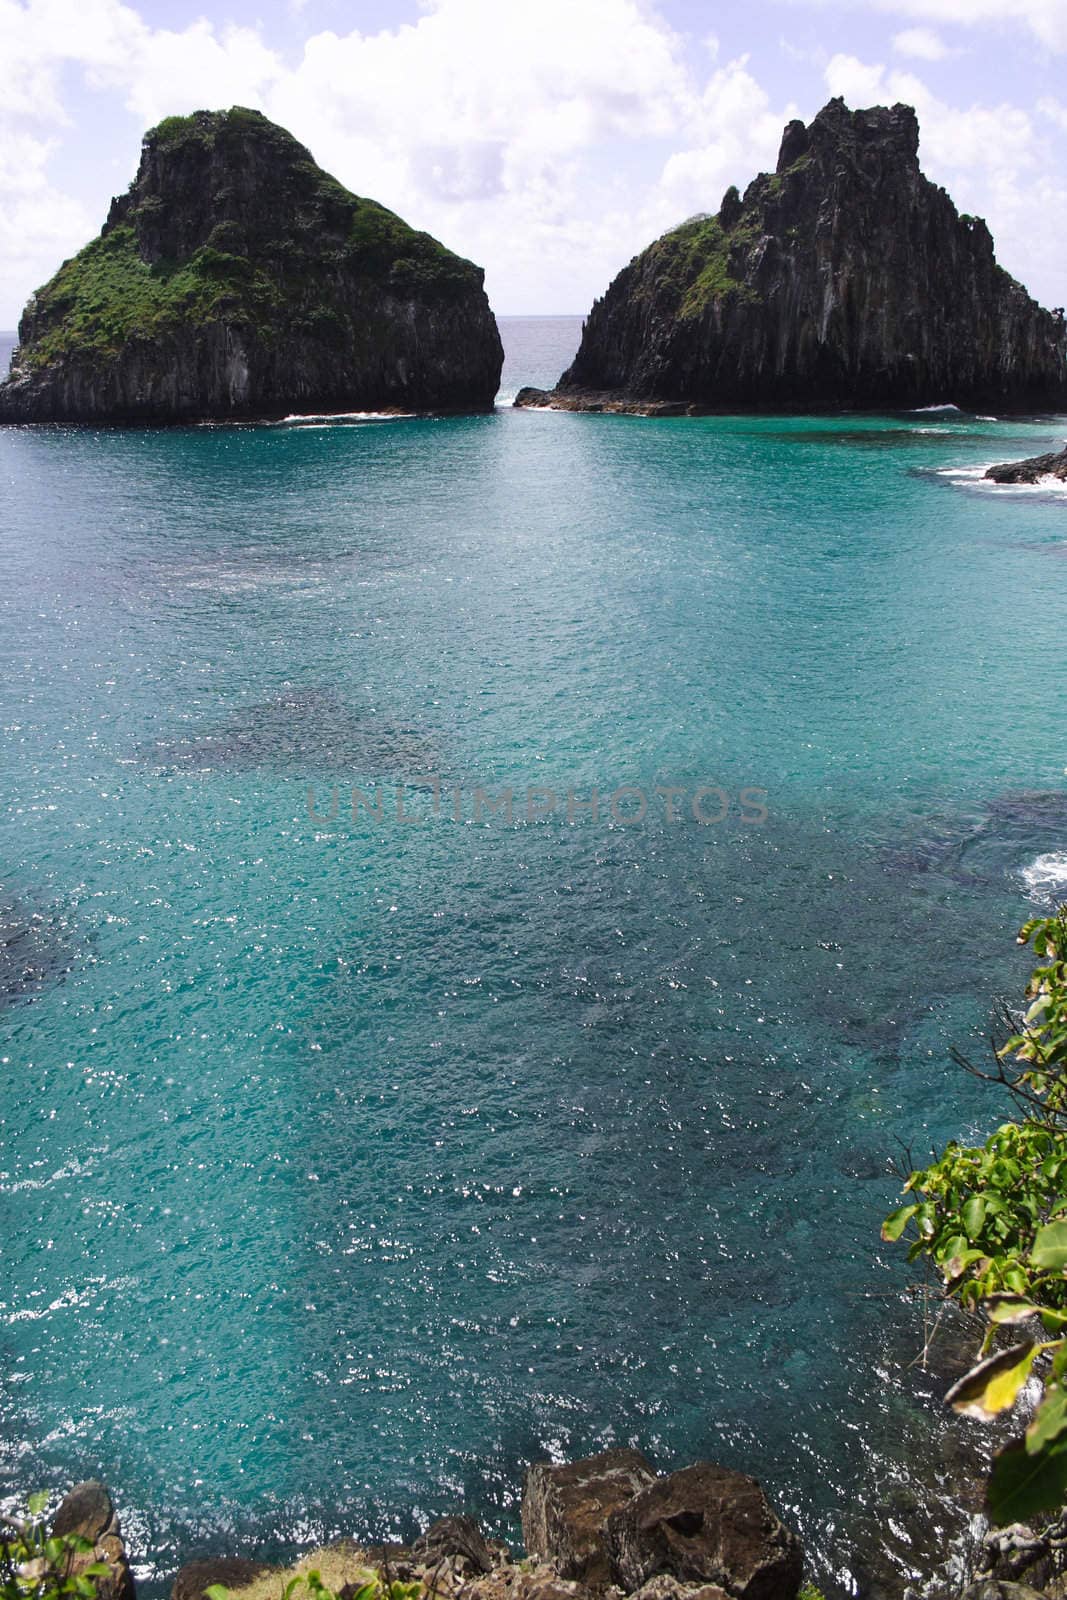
x=1054 y=465
x=458 y=1539
x=232 y=1572
x=843 y=280
x=236 y=279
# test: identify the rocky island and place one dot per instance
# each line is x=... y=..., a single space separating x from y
x=237 y=279
x=845 y=280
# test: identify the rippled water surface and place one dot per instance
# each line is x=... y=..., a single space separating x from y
x=350 y=1165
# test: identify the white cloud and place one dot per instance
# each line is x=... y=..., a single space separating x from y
x=37 y=222
x=496 y=126
x=1055 y=111
x=495 y=161
x=40 y=225
x=548 y=143
x=163 y=73
x=922 y=43
x=738 y=134
x=854 y=81
x=1047 y=19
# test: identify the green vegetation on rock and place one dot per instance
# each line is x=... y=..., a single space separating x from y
x=307 y=1582
x=808 y=1591
x=992 y=1222
x=107 y=294
x=35 y=1565
x=378 y=238
x=172 y=130
x=693 y=263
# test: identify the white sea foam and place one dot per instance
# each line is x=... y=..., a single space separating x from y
x=919 y=410
x=328 y=418
x=1046 y=876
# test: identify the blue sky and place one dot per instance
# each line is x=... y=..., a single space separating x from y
x=548 y=141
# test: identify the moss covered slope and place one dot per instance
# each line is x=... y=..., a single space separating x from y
x=235 y=277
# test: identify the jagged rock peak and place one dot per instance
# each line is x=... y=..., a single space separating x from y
x=893 y=129
x=236 y=278
x=843 y=280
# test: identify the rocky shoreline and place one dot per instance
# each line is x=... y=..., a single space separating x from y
x=604 y=1528
x=603 y=400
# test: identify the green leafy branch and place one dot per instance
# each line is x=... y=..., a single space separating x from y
x=36 y=1565
x=992 y=1222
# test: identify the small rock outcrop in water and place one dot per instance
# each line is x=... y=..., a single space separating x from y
x=844 y=280
x=1053 y=465
x=237 y=279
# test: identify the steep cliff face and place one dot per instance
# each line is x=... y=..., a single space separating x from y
x=845 y=279
x=237 y=279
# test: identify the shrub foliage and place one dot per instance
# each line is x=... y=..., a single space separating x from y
x=992 y=1221
x=36 y=1565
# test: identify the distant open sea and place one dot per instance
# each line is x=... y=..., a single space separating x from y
x=349 y=1165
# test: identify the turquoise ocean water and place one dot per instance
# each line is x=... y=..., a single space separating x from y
x=348 y=1166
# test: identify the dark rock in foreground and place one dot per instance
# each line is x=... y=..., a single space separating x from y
x=844 y=280
x=1053 y=465
x=236 y=279
x=998 y=1589
x=565 y=1510
x=231 y=1572
x=603 y=1526
x=706 y=1532
x=456 y=1538
x=89 y=1513
x=706 y=1525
